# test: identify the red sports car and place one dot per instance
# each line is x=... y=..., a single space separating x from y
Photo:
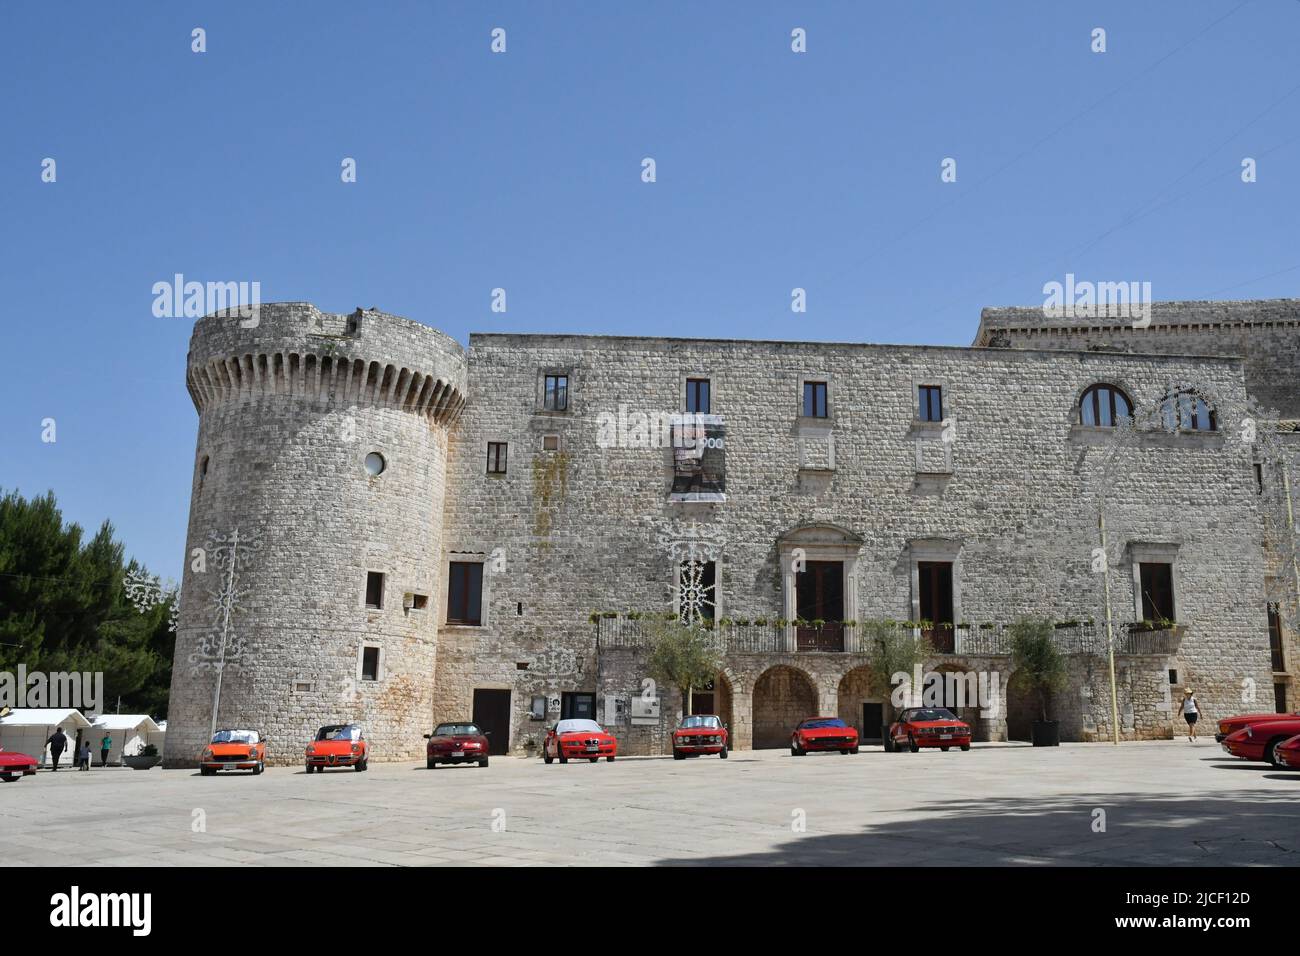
x=338 y=745
x=700 y=734
x=918 y=727
x=1260 y=741
x=14 y=765
x=1288 y=753
x=457 y=742
x=1230 y=725
x=578 y=737
x=823 y=733
x=234 y=750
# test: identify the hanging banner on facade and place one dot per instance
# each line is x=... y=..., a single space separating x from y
x=699 y=458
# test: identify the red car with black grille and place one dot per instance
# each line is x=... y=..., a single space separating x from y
x=14 y=765
x=918 y=727
x=823 y=734
x=700 y=734
x=1230 y=725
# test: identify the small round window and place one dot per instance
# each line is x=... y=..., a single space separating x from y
x=375 y=464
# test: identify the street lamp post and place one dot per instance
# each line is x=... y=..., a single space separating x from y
x=1110 y=630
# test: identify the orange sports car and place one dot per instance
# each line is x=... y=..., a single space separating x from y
x=234 y=750
x=338 y=745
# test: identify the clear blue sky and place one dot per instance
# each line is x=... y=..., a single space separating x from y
x=522 y=170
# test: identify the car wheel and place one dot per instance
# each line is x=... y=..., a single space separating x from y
x=944 y=749
x=796 y=752
x=912 y=744
x=546 y=756
x=309 y=768
x=846 y=752
x=855 y=750
x=560 y=754
x=206 y=771
x=360 y=764
x=430 y=763
x=723 y=753
x=259 y=768
x=592 y=759
x=8 y=777
x=1270 y=752
x=483 y=762
x=889 y=744
x=609 y=760
x=677 y=755
x=965 y=746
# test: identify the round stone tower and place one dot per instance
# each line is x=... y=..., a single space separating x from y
x=314 y=578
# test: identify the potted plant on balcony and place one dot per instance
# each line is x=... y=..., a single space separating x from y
x=1038 y=668
x=682 y=655
x=892 y=649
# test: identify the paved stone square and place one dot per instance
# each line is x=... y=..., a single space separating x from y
x=1166 y=803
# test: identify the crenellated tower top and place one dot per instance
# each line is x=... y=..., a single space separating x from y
x=293 y=350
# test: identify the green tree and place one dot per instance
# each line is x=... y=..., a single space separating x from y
x=63 y=606
x=1037 y=665
x=892 y=648
x=683 y=655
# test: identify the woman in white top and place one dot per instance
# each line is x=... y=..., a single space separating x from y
x=1191 y=711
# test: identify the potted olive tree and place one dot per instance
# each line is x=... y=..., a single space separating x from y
x=891 y=649
x=1038 y=668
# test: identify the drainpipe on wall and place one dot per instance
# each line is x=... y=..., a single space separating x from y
x=1110 y=630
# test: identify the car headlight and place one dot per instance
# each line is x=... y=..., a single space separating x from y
x=311 y=751
x=356 y=748
x=207 y=754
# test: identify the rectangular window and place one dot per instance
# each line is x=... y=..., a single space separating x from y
x=577 y=705
x=930 y=403
x=1275 y=637
x=1279 y=699
x=496 y=460
x=1157 y=591
x=555 y=398
x=374 y=589
x=814 y=399
x=550 y=443
x=698 y=399
x=1259 y=478
x=370 y=663
x=419 y=602
x=465 y=593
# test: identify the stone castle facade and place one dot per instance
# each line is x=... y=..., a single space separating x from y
x=388 y=528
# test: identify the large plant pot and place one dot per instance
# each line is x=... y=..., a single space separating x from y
x=141 y=763
x=1046 y=733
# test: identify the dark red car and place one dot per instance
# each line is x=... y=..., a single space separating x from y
x=578 y=737
x=1260 y=741
x=823 y=733
x=457 y=742
x=14 y=765
x=918 y=727
x=700 y=734
x=1230 y=725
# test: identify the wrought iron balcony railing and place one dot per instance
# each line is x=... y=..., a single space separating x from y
x=961 y=641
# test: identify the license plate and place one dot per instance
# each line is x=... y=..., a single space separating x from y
x=592 y=750
x=945 y=736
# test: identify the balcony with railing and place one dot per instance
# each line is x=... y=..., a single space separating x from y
x=974 y=640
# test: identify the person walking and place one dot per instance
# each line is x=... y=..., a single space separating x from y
x=57 y=743
x=105 y=746
x=83 y=756
x=1191 y=711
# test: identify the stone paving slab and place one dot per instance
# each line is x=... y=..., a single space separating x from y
x=1163 y=803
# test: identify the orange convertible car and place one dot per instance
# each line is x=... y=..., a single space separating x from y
x=338 y=745
x=234 y=750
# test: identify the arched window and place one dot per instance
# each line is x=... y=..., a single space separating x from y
x=1187 y=412
x=1104 y=405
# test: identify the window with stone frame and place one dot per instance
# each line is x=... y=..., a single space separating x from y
x=465 y=593
x=555 y=392
x=815 y=403
x=1185 y=411
x=1157 y=578
x=1104 y=405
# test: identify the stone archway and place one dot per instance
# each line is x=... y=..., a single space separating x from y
x=859 y=707
x=962 y=687
x=783 y=696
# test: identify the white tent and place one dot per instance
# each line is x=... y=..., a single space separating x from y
x=130 y=732
x=26 y=730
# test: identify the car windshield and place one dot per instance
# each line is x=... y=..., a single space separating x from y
x=345 y=732
x=823 y=722
x=235 y=737
x=575 y=725
x=456 y=730
x=700 y=720
x=932 y=713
